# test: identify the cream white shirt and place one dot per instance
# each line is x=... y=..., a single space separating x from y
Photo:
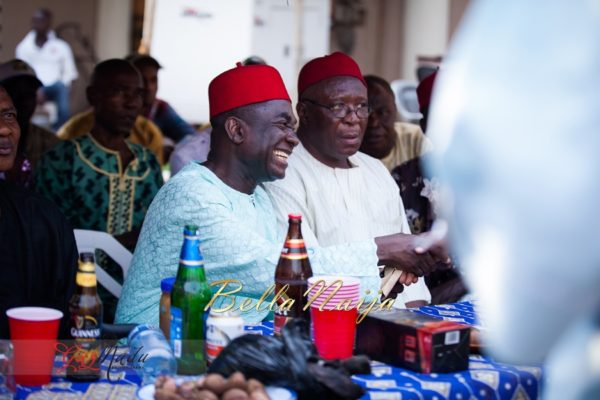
x=343 y=205
x=411 y=142
x=52 y=62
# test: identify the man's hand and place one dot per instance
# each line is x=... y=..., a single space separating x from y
x=435 y=243
x=398 y=250
x=392 y=284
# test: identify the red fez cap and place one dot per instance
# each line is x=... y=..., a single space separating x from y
x=424 y=91
x=244 y=85
x=321 y=68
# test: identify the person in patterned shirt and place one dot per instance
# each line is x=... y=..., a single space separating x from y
x=101 y=181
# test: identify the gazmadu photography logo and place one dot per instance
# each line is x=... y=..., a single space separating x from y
x=75 y=358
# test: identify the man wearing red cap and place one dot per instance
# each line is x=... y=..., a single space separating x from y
x=251 y=140
x=347 y=196
x=424 y=91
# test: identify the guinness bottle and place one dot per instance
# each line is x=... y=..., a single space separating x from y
x=291 y=274
x=86 y=323
x=189 y=297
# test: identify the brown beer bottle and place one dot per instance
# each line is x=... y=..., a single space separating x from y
x=293 y=270
x=85 y=324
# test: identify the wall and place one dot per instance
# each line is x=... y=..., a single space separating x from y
x=113 y=28
x=395 y=32
x=425 y=33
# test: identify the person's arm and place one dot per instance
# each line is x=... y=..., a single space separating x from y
x=69 y=70
x=173 y=125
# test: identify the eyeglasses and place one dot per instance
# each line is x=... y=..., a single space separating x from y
x=341 y=110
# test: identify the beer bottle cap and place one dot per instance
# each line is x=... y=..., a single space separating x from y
x=86 y=257
x=295 y=216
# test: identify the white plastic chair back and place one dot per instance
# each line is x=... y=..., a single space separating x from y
x=406 y=100
x=92 y=240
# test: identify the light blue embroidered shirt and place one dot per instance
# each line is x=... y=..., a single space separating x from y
x=239 y=241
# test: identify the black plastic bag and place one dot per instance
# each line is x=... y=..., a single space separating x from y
x=291 y=361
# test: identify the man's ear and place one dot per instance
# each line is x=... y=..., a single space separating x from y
x=236 y=129
x=302 y=113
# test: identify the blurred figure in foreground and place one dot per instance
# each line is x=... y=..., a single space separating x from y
x=516 y=119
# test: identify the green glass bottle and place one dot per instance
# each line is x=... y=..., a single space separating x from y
x=189 y=297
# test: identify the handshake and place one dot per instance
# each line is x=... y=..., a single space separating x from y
x=408 y=257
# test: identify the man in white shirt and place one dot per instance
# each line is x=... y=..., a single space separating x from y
x=344 y=196
x=52 y=60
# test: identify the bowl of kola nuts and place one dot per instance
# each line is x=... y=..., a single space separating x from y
x=212 y=387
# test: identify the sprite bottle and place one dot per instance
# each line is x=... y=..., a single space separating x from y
x=189 y=298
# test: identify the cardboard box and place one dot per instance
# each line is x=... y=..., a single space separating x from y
x=414 y=341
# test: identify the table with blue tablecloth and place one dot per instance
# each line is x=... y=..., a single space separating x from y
x=485 y=379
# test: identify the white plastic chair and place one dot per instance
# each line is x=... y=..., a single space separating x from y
x=91 y=240
x=406 y=100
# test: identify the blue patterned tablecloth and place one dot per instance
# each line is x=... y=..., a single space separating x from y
x=485 y=379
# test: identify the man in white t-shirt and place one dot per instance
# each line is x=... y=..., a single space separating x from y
x=344 y=195
x=52 y=60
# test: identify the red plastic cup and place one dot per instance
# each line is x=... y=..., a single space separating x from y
x=33 y=332
x=334 y=332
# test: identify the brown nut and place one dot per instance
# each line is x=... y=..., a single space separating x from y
x=235 y=394
x=186 y=389
x=259 y=394
x=169 y=385
x=162 y=394
x=237 y=380
x=200 y=381
x=215 y=383
x=205 y=394
x=254 y=385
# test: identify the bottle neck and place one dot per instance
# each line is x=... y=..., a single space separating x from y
x=191 y=262
x=294 y=229
x=294 y=246
x=86 y=282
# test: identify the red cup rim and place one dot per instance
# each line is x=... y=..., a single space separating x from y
x=346 y=280
x=34 y=314
x=335 y=294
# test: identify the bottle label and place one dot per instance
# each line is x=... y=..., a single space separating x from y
x=84 y=328
x=85 y=331
x=219 y=332
x=294 y=249
x=191 y=263
x=176 y=335
x=85 y=279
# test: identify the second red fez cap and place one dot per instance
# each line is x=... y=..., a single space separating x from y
x=244 y=85
x=321 y=68
x=424 y=91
